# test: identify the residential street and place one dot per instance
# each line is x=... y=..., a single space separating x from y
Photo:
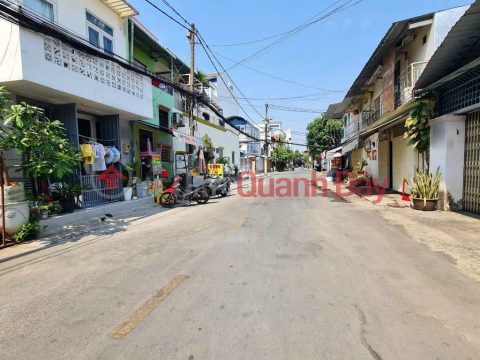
x=241 y=278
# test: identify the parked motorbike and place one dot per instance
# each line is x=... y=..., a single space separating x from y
x=178 y=193
x=217 y=186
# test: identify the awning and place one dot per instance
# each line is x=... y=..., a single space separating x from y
x=352 y=145
x=331 y=153
x=187 y=139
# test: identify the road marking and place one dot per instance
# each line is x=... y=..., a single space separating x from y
x=238 y=224
x=143 y=311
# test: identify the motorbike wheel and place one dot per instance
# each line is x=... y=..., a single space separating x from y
x=167 y=199
x=203 y=197
x=225 y=192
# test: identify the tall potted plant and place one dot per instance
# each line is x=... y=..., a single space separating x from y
x=424 y=189
x=68 y=192
x=42 y=146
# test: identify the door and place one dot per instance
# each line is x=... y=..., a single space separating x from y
x=67 y=114
x=397 y=93
x=471 y=190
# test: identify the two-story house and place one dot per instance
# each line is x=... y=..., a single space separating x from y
x=70 y=58
x=453 y=75
x=250 y=150
x=150 y=55
x=378 y=103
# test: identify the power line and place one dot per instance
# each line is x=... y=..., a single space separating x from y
x=276 y=35
x=205 y=47
x=176 y=12
x=164 y=13
x=279 y=78
x=297 y=30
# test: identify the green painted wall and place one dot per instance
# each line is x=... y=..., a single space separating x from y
x=159 y=97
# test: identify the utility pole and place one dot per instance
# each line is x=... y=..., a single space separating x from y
x=191 y=36
x=266 y=144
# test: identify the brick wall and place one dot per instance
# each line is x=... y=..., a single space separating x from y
x=388 y=83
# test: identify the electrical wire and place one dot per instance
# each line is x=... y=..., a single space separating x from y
x=176 y=12
x=205 y=47
x=295 y=31
x=276 y=35
x=279 y=78
x=164 y=13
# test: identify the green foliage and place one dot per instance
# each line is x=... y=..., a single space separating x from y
x=53 y=207
x=417 y=126
x=281 y=157
x=360 y=165
x=29 y=231
x=235 y=169
x=127 y=171
x=70 y=190
x=425 y=185
x=29 y=132
x=322 y=134
x=297 y=157
x=222 y=160
x=202 y=77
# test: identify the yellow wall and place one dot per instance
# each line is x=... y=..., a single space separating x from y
x=383 y=161
x=403 y=160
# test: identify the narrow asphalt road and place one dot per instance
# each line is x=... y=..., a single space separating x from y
x=242 y=278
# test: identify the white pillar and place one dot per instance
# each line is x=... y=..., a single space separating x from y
x=447 y=151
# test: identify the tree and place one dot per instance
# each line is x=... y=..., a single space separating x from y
x=281 y=157
x=42 y=141
x=297 y=157
x=323 y=133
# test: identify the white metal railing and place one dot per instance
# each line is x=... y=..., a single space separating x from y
x=406 y=82
x=352 y=128
x=372 y=113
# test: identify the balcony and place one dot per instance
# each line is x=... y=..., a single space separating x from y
x=43 y=67
x=352 y=128
x=373 y=112
x=406 y=82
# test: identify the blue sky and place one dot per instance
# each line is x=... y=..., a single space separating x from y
x=329 y=55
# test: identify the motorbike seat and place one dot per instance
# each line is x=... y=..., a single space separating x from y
x=223 y=181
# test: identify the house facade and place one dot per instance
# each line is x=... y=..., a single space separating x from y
x=250 y=150
x=70 y=58
x=453 y=77
x=376 y=107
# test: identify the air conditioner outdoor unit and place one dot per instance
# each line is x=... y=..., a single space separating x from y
x=178 y=120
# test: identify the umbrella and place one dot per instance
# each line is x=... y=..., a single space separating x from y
x=201 y=162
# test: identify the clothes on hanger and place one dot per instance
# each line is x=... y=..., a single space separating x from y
x=87 y=154
x=99 y=162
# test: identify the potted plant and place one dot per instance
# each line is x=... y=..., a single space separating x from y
x=68 y=192
x=424 y=189
x=43 y=212
x=235 y=172
x=43 y=148
x=128 y=171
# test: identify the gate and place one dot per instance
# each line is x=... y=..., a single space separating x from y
x=471 y=192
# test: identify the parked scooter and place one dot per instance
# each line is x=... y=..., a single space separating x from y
x=178 y=193
x=217 y=186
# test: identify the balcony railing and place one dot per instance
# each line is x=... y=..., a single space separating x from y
x=352 y=128
x=373 y=112
x=406 y=82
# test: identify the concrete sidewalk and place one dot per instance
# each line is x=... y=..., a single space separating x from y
x=455 y=235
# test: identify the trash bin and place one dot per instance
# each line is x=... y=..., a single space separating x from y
x=142 y=190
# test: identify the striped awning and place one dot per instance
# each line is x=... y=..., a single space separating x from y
x=352 y=145
x=121 y=7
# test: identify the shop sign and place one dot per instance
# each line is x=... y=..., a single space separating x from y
x=215 y=169
x=187 y=139
x=156 y=166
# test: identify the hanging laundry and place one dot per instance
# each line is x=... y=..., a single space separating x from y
x=99 y=162
x=115 y=154
x=87 y=154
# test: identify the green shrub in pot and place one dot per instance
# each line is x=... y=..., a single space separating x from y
x=424 y=187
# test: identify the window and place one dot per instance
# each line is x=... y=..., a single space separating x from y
x=144 y=135
x=425 y=39
x=166 y=155
x=220 y=153
x=163 y=119
x=233 y=158
x=41 y=7
x=99 y=33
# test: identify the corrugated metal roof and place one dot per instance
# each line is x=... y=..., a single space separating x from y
x=145 y=36
x=332 y=113
x=460 y=47
x=392 y=36
x=121 y=7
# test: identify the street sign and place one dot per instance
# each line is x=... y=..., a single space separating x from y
x=215 y=169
